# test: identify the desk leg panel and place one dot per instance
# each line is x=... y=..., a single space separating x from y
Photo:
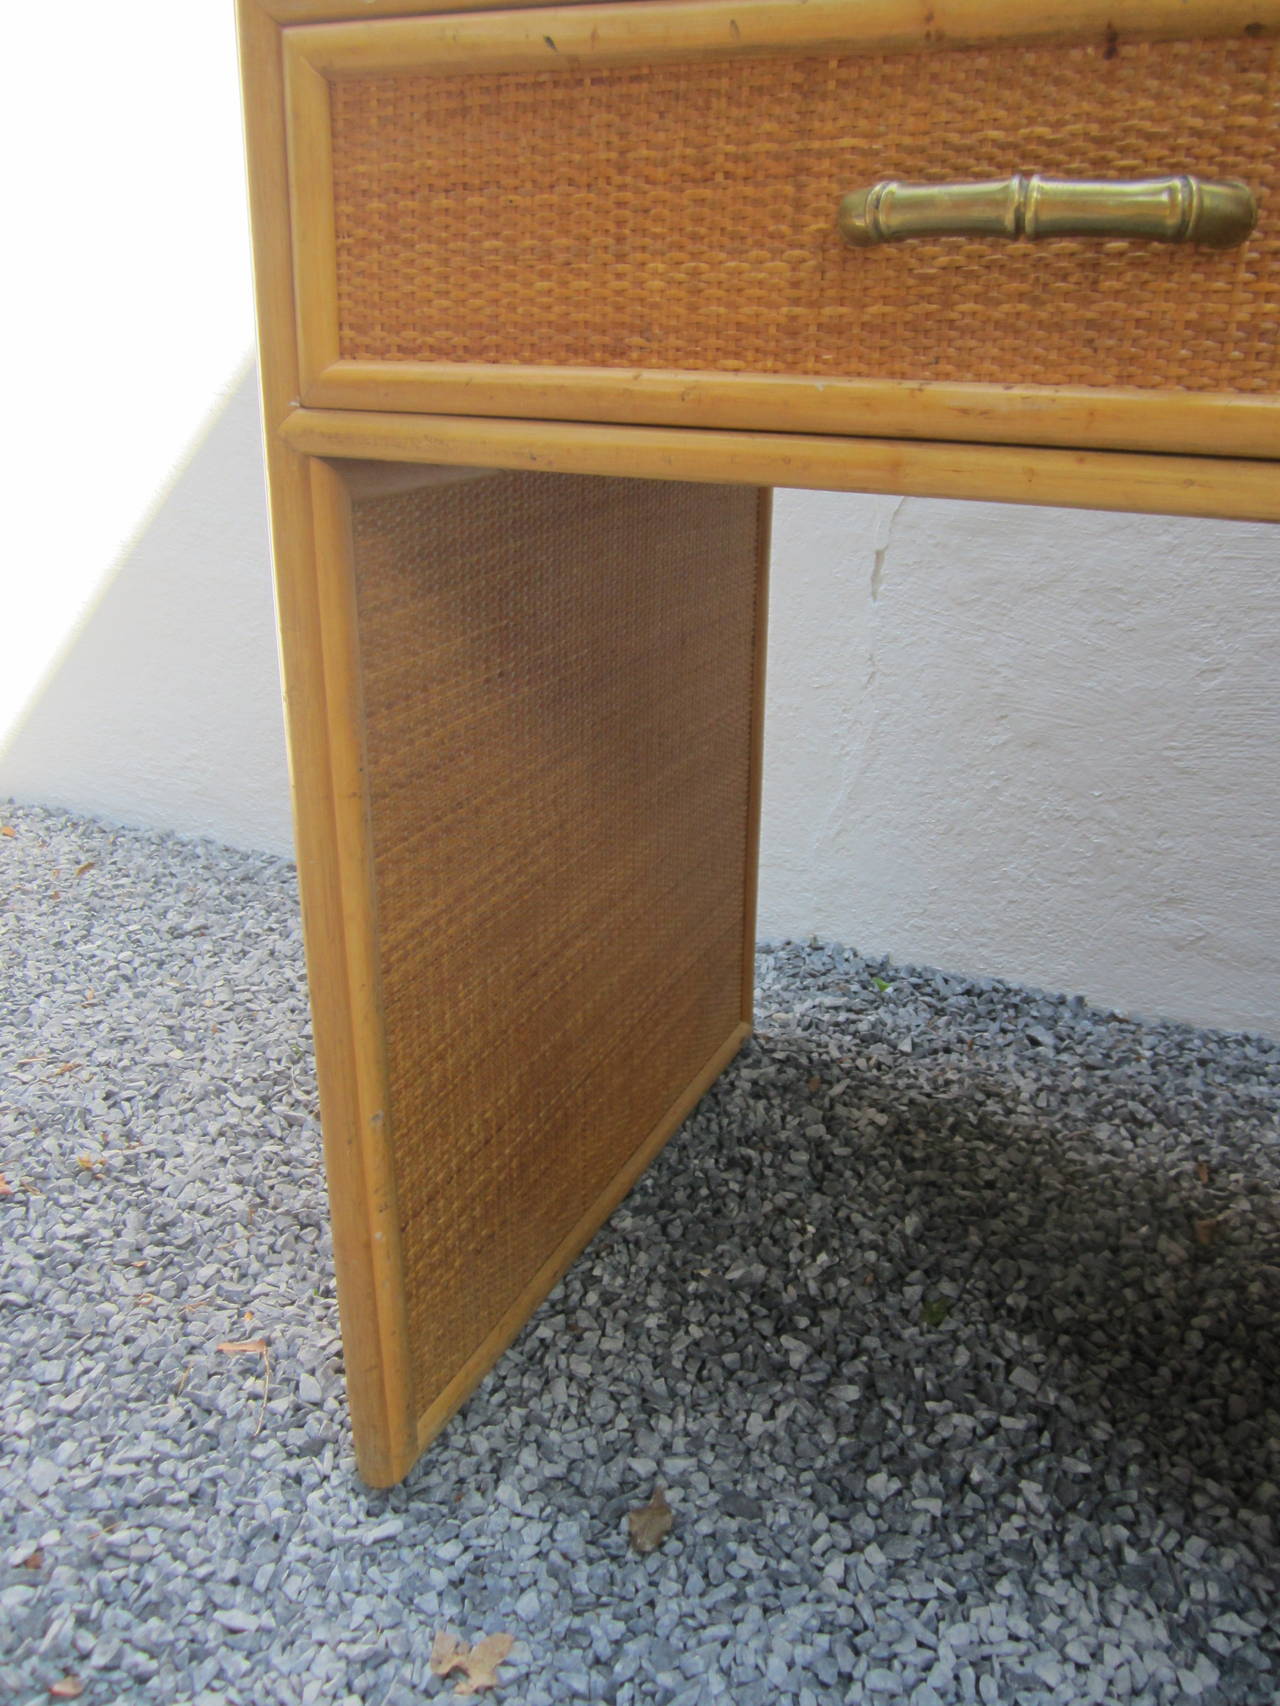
x=559 y=686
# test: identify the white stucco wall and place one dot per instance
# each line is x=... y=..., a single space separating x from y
x=1031 y=743
x=1040 y=744
x=162 y=707
x=137 y=673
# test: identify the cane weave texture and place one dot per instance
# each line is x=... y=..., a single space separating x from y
x=558 y=683
x=683 y=216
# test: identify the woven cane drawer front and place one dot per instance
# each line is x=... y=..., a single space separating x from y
x=642 y=220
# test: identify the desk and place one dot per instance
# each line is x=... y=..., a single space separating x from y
x=549 y=300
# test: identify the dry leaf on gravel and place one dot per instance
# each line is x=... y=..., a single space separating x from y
x=649 y=1526
x=7 y=829
x=70 y=1688
x=250 y=1347
x=6 y=1189
x=34 y=1560
x=1207 y=1231
x=479 y=1663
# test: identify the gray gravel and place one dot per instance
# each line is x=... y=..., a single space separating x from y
x=949 y=1322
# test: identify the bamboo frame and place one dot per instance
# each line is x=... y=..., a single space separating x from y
x=755 y=782
x=1188 y=423
x=336 y=11
x=358 y=1158
x=1129 y=17
x=311 y=214
x=323 y=720
x=622 y=34
x=1116 y=480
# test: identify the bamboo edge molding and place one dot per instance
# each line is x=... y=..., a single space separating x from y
x=1217 y=424
x=947 y=20
x=336 y=912
x=1081 y=479
x=626 y=31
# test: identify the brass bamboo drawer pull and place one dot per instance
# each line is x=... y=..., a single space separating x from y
x=1220 y=213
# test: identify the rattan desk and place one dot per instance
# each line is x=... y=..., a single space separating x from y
x=549 y=300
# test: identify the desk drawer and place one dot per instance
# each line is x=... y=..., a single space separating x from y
x=564 y=214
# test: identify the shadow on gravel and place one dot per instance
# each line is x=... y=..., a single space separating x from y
x=1149 y=1284
x=1158 y=1309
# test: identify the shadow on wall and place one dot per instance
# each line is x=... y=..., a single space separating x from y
x=163 y=707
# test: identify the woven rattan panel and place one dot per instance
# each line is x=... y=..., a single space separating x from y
x=683 y=216
x=558 y=696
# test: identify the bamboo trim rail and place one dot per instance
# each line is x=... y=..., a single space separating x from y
x=1082 y=479
x=1202 y=423
x=691 y=29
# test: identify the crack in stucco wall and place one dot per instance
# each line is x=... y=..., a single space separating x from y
x=881 y=542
